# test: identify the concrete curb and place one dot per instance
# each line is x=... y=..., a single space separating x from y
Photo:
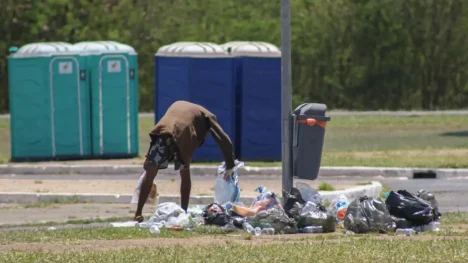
x=212 y=170
x=372 y=189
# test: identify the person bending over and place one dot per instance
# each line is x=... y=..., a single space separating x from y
x=175 y=137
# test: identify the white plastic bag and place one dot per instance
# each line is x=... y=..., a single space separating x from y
x=165 y=211
x=151 y=197
x=227 y=191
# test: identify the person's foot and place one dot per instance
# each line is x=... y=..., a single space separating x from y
x=139 y=219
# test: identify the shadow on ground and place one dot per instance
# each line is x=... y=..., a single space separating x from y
x=455 y=134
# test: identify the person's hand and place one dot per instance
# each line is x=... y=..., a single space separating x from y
x=227 y=174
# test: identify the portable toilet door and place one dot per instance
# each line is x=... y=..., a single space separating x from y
x=49 y=103
x=114 y=98
x=258 y=99
x=201 y=73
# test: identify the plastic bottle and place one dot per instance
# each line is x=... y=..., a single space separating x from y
x=145 y=224
x=435 y=226
x=248 y=227
x=312 y=229
x=432 y=226
x=155 y=230
x=405 y=232
x=268 y=231
x=258 y=231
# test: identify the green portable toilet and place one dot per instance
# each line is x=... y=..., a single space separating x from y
x=49 y=103
x=113 y=70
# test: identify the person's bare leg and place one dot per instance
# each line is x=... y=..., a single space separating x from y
x=185 y=188
x=151 y=172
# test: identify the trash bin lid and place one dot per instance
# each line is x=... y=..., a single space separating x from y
x=314 y=110
x=192 y=49
x=252 y=49
x=45 y=49
x=104 y=47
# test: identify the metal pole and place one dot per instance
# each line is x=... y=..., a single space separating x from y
x=286 y=93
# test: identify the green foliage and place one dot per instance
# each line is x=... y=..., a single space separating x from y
x=355 y=54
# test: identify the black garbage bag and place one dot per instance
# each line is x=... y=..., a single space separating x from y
x=430 y=198
x=294 y=202
x=367 y=214
x=317 y=218
x=215 y=214
x=402 y=204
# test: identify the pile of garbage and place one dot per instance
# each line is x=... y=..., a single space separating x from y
x=402 y=212
x=303 y=212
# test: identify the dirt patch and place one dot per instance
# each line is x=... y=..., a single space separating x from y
x=103 y=245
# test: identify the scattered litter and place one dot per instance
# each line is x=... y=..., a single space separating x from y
x=268 y=231
x=258 y=231
x=124 y=224
x=308 y=213
x=404 y=213
x=151 y=197
x=155 y=230
x=405 y=232
x=215 y=214
x=366 y=215
x=312 y=229
x=51 y=228
x=338 y=207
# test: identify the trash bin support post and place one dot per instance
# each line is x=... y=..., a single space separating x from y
x=286 y=93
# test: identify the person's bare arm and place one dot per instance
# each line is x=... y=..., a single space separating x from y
x=223 y=141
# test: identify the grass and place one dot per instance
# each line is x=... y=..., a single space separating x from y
x=445 y=246
x=436 y=141
x=54 y=201
x=325 y=187
x=109 y=233
x=364 y=250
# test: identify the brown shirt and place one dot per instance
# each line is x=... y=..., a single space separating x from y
x=189 y=124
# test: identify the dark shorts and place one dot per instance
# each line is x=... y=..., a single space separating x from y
x=162 y=151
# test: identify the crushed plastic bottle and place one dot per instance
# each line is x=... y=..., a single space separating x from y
x=312 y=229
x=405 y=232
x=155 y=230
x=145 y=225
x=432 y=226
x=268 y=231
x=349 y=232
x=248 y=227
x=258 y=231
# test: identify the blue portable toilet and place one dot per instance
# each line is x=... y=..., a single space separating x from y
x=49 y=103
x=258 y=99
x=113 y=72
x=200 y=73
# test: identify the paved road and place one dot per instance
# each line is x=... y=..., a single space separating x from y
x=452 y=194
x=340 y=112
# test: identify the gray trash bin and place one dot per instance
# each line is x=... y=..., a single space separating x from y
x=309 y=122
